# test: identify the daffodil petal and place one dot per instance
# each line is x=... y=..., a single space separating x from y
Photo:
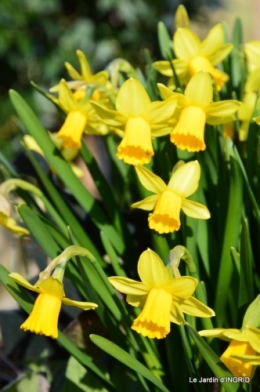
x=149 y=180
x=214 y=333
x=84 y=67
x=152 y=270
x=194 y=307
x=66 y=98
x=165 y=92
x=110 y=117
x=72 y=72
x=128 y=286
x=182 y=287
x=235 y=334
x=132 y=99
x=181 y=68
x=23 y=282
x=199 y=89
x=220 y=54
x=176 y=315
x=195 y=210
x=160 y=112
x=222 y=109
x=220 y=120
x=213 y=41
x=254 y=338
x=252 y=50
x=79 y=304
x=185 y=179
x=163 y=67
x=162 y=129
x=12 y=226
x=147 y=204
x=186 y=44
x=136 y=300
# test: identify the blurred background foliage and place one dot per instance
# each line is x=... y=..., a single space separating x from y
x=37 y=37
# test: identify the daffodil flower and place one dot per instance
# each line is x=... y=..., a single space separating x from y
x=245 y=342
x=85 y=74
x=252 y=51
x=194 y=56
x=170 y=199
x=80 y=117
x=195 y=108
x=6 y=220
x=163 y=300
x=43 y=319
x=140 y=119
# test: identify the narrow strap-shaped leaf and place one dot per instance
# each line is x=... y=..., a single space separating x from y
x=231 y=234
x=122 y=356
x=165 y=42
x=246 y=283
x=64 y=209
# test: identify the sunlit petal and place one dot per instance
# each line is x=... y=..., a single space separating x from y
x=195 y=210
x=79 y=304
x=152 y=270
x=129 y=286
x=149 y=180
x=213 y=41
x=194 y=307
x=23 y=282
x=132 y=99
x=176 y=315
x=182 y=287
x=110 y=117
x=185 y=180
x=159 y=112
x=186 y=43
x=222 y=109
x=147 y=204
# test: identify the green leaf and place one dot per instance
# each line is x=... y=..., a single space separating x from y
x=246 y=283
x=64 y=210
x=39 y=231
x=122 y=356
x=213 y=361
x=165 y=41
x=231 y=234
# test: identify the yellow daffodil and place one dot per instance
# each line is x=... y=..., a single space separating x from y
x=251 y=89
x=67 y=153
x=162 y=299
x=194 y=109
x=6 y=220
x=141 y=120
x=85 y=74
x=194 y=56
x=44 y=317
x=170 y=199
x=80 y=117
x=252 y=51
x=245 y=342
